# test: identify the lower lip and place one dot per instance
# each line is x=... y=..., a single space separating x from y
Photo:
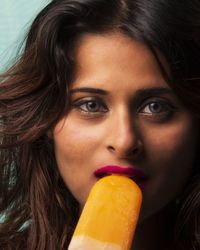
x=141 y=183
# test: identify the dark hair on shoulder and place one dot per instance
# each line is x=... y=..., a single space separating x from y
x=40 y=213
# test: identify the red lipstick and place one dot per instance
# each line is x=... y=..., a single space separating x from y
x=135 y=174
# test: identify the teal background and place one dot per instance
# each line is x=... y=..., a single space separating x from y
x=15 y=19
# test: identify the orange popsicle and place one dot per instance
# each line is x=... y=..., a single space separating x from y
x=110 y=215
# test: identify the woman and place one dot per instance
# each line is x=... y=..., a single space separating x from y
x=103 y=83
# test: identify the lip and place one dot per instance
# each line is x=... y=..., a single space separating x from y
x=132 y=172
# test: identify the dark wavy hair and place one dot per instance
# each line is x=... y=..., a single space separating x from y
x=39 y=211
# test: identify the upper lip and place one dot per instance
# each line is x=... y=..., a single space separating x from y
x=131 y=172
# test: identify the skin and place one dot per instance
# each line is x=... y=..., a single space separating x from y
x=152 y=132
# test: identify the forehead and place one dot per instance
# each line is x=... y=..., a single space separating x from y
x=93 y=48
x=103 y=58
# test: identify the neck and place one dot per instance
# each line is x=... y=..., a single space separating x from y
x=156 y=232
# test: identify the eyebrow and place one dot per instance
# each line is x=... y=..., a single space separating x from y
x=89 y=90
x=153 y=91
x=141 y=93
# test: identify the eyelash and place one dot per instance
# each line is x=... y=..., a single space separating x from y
x=167 y=108
x=82 y=105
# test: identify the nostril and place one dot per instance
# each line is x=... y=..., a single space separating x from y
x=124 y=152
x=110 y=148
x=134 y=151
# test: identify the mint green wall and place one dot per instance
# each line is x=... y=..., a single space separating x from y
x=15 y=18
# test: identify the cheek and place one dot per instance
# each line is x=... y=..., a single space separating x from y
x=173 y=144
x=72 y=140
x=75 y=146
x=170 y=155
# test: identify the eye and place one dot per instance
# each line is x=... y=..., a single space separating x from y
x=156 y=108
x=91 y=106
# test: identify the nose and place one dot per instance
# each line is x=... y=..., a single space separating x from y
x=124 y=136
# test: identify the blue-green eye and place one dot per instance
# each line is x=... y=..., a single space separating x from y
x=156 y=108
x=91 y=106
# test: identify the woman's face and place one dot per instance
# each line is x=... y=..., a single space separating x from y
x=123 y=113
